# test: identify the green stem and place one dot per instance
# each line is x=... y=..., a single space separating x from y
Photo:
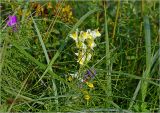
x=25 y=11
x=108 y=62
x=115 y=23
x=159 y=65
x=146 y=74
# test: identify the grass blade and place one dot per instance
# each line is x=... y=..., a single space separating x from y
x=108 y=62
x=146 y=74
x=2 y=56
x=143 y=84
x=41 y=41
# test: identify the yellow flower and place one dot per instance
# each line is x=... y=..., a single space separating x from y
x=20 y=12
x=70 y=78
x=81 y=59
x=38 y=9
x=89 y=36
x=87 y=97
x=81 y=45
x=89 y=55
x=93 y=34
x=66 y=9
x=85 y=92
x=91 y=43
x=70 y=14
x=49 y=6
x=81 y=56
x=97 y=33
x=28 y=13
x=66 y=14
x=74 y=36
x=83 y=36
x=90 y=85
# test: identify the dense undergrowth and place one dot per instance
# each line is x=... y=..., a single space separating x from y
x=41 y=72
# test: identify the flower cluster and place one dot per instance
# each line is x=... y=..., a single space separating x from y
x=85 y=44
x=66 y=14
x=62 y=12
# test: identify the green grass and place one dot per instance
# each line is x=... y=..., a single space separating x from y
x=108 y=61
x=37 y=60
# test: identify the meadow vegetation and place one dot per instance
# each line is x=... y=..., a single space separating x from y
x=79 y=56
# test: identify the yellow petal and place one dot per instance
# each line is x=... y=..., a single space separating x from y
x=83 y=35
x=20 y=12
x=90 y=37
x=88 y=57
x=70 y=78
x=85 y=92
x=49 y=6
x=87 y=97
x=90 y=85
x=81 y=45
x=97 y=33
x=81 y=60
x=91 y=43
x=82 y=56
x=74 y=36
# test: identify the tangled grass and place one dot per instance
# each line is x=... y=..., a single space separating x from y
x=39 y=71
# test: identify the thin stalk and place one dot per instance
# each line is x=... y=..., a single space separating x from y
x=115 y=23
x=159 y=64
x=158 y=91
x=0 y=76
x=108 y=62
x=25 y=11
x=49 y=30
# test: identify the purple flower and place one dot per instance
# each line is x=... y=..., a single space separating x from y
x=89 y=74
x=12 y=21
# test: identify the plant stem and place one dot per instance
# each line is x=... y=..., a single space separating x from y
x=108 y=62
x=115 y=23
x=146 y=74
x=159 y=65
